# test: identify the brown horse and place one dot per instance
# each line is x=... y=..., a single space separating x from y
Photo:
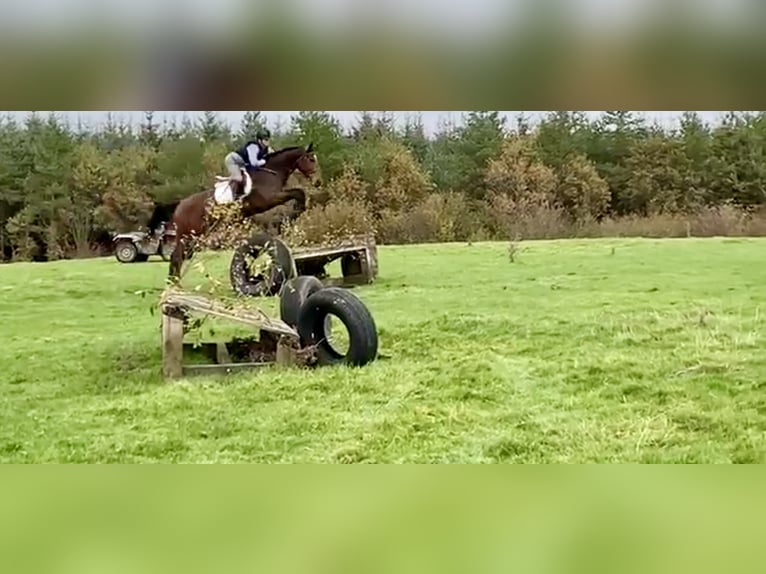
x=267 y=192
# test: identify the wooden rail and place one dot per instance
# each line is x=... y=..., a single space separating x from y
x=280 y=340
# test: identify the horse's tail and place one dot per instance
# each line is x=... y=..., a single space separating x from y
x=163 y=213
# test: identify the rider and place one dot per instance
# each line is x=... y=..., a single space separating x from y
x=251 y=154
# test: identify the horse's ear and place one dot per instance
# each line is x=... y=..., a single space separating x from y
x=310 y=148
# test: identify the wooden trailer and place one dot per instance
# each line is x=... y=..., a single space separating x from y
x=358 y=257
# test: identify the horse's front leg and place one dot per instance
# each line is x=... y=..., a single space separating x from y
x=184 y=250
x=176 y=262
x=299 y=195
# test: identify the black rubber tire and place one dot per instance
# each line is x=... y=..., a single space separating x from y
x=294 y=294
x=126 y=251
x=352 y=312
x=269 y=283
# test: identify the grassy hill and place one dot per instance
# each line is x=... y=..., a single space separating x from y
x=577 y=351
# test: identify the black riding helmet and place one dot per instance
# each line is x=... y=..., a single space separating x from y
x=263 y=134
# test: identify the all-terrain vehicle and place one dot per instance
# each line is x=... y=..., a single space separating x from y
x=138 y=246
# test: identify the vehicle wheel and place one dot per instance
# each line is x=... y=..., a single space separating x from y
x=294 y=294
x=126 y=251
x=263 y=282
x=343 y=304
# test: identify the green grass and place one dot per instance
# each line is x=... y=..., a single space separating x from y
x=579 y=351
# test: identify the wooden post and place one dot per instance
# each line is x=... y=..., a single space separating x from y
x=172 y=345
x=366 y=265
x=372 y=257
x=222 y=354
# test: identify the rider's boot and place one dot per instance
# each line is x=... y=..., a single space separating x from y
x=235 y=189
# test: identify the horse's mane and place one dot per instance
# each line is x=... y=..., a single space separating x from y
x=281 y=151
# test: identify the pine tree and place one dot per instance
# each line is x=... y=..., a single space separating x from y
x=210 y=128
x=252 y=122
x=478 y=141
x=414 y=137
x=149 y=135
x=365 y=128
x=326 y=134
x=614 y=135
x=561 y=136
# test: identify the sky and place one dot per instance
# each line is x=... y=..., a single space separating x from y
x=431 y=119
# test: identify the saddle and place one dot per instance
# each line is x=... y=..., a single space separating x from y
x=224 y=192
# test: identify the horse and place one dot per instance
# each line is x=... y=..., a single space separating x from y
x=266 y=192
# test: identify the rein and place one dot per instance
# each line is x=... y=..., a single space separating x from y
x=271 y=171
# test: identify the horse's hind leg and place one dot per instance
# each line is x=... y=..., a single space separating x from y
x=176 y=262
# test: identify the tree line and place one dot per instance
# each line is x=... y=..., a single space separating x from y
x=65 y=188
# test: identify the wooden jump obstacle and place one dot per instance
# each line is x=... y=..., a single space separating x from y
x=358 y=255
x=277 y=342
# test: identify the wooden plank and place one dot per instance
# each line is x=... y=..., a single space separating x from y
x=354 y=240
x=351 y=244
x=172 y=346
x=327 y=252
x=252 y=317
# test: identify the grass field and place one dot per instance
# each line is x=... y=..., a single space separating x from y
x=579 y=351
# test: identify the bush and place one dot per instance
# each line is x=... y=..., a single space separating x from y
x=519 y=176
x=581 y=191
x=329 y=223
x=527 y=219
x=440 y=217
x=403 y=183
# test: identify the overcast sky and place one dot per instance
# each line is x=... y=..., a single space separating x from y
x=431 y=119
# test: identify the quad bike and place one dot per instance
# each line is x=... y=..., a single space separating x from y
x=138 y=246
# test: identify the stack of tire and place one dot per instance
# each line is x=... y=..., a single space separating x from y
x=306 y=304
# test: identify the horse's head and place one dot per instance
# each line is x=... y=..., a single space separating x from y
x=308 y=165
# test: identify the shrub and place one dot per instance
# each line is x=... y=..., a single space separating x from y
x=440 y=217
x=581 y=191
x=329 y=223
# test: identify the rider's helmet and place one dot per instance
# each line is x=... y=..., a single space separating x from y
x=263 y=134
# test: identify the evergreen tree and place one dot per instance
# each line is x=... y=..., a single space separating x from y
x=478 y=141
x=562 y=136
x=325 y=132
x=252 y=122
x=149 y=135
x=414 y=137
x=613 y=137
x=210 y=128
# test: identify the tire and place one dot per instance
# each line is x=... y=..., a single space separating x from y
x=363 y=335
x=294 y=294
x=126 y=251
x=268 y=283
